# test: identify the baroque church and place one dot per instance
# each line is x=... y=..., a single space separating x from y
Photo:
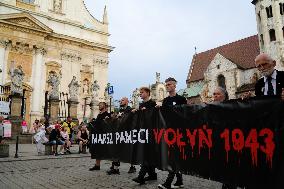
x=231 y=66
x=58 y=37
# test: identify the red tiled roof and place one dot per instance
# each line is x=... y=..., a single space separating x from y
x=242 y=53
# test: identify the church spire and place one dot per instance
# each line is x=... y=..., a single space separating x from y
x=105 y=18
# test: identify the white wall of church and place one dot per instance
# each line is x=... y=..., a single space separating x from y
x=221 y=66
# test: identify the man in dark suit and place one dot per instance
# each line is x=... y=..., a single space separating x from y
x=272 y=81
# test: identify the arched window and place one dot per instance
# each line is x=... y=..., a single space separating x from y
x=283 y=31
x=221 y=81
x=272 y=35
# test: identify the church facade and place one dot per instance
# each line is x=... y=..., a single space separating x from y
x=58 y=37
x=231 y=66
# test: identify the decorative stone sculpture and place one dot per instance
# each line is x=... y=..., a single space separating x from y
x=135 y=98
x=158 y=77
x=54 y=82
x=95 y=88
x=57 y=6
x=17 y=77
x=73 y=89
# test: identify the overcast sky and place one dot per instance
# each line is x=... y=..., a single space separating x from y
x=152 y=36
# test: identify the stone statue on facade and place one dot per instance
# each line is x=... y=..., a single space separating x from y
x=135 y=98
x=95 y=88
x=17 y=77
x=158 y=77
x=85 y=87
x=54 y=81
x=73 y=89
x=57 y=6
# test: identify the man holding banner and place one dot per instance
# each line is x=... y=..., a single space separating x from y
x=272 y=82
x=124 y=109
x=97 y=123
x=170 y=101
x=146 y=104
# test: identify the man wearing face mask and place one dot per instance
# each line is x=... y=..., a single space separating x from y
x=272 y=82
x=124 y=109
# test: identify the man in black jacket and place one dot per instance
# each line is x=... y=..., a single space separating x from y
x=124 y=109
x=96 y=123
x=147 y=103
x=272 y=82
x=170 y=101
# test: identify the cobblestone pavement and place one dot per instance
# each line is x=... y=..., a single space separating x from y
x=71 y=171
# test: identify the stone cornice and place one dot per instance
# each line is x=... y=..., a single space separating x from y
x=54 y=19
x=22 y=28
x=79 y=42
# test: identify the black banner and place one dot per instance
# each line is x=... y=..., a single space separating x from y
x=239 y=142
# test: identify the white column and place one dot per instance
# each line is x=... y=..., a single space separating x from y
x=3 y=46
x=37 y=87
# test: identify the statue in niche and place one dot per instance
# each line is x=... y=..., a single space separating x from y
x=85 y=87
x=54 y=82
x=73 y=89
x=57 y=6
x=17 y=77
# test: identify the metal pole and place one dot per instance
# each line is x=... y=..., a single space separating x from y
x=23 y=104
x=110 y=105
x=17 y=146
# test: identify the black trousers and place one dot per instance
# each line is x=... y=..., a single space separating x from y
x=146 y=169
x=171 y=177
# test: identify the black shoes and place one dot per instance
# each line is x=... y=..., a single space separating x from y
x=151 y=177
x=164 y=186
x=95 y=168
x=178 y=184
x=139 y=180
x=113 y=172
x=132 y=169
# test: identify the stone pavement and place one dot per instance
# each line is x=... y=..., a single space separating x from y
x=71 y=171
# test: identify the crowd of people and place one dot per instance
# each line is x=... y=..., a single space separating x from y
x=270 y=84
x=59 y=133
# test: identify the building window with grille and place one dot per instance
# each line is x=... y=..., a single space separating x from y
x=221 y=81
x=269 y=11
x=272 y=35
x=281 y=5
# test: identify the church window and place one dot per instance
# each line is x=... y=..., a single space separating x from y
x=281 y=5
x=272 y=35
x=218 y=66
x=283 y=31
x=221 y=81
x=269 y=11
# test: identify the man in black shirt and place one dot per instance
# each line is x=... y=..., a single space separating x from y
x=146 y=104
x=172 y=100
x=100 y=118
x=124 y=109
